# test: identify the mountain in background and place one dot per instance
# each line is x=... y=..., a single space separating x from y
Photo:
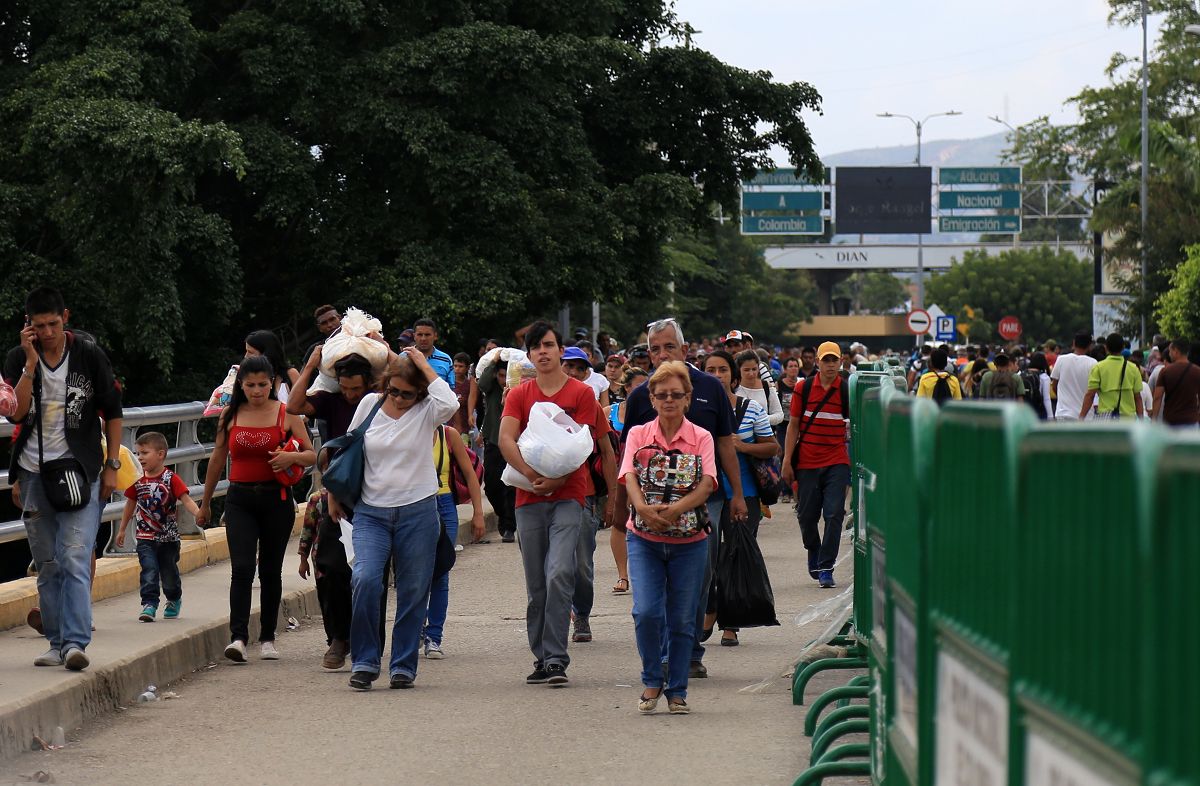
x=985 y=151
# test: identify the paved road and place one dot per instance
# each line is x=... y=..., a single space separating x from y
x=471 y=718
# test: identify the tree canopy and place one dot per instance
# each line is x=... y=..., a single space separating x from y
x=187 y=170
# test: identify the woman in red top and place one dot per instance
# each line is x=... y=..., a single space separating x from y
x=259 y=513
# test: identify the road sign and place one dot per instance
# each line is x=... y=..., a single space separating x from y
x=946 y=328
x=978 y=176
x=1010 y=328
x=999 y=225
x=919 y=322
x=883 y=200
x=979 y=200
x=783 y=225
x=783 y=200
x=778 y=177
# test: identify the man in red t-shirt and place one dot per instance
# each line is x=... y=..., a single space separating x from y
x=550 y=516
x=818 y=461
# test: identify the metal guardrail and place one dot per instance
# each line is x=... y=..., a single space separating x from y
x=184 y=457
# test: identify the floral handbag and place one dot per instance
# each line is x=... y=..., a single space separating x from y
x=665 y=477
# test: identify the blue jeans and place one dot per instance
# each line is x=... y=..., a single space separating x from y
x=585 y=560
x=160 y=562
x=408 y=535
x=715 y=507
x=548 y=534
x=822 y=492
x=667 y=579
x=62 y=544
x=439 y=593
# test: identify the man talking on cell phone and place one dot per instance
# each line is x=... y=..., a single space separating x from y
x=64 y=385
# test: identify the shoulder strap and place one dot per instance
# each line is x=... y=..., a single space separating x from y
x=441 y=432
x=808 y=423
x=1121 y=385
x=739 y=413
x=1182 y=377
x=282 y=415
x=37 y=403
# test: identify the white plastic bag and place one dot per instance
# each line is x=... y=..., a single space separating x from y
x=519 y=368
x=347 y=540
x=350 y=339
x=553 y=444
x=510 y=477
x=222 y=394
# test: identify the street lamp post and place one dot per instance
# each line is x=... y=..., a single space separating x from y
x=1020 y=211
x=1145 y=152
x=920 y=124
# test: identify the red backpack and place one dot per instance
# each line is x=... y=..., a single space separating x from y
x=459 y=489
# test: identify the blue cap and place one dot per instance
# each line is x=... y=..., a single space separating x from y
x=575 y=353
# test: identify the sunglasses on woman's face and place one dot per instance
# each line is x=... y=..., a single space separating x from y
x=672 y=396
x=407 y=395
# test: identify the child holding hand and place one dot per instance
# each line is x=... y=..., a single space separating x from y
x=154 y=498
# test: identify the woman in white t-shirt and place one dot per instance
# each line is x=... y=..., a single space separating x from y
x=397 y=515
x=750 y=385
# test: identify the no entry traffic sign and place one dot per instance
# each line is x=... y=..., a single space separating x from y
x=919 y=321
x=1010 y=328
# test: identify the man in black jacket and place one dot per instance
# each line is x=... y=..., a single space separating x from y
x=64 y=386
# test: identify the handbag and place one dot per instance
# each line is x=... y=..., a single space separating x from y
x=63 y=482
x=344 y=475
x=665 y=477
x=289 y=444
x=768 y=483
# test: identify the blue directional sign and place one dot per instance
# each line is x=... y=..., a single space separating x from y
x=781 y=200
x=979 y=200
x=946 y=327
x=782 y=225
x=1000 y=225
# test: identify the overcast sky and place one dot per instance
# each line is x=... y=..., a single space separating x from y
x=867 y=57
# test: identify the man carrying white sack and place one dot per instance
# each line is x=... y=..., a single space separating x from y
x=549 y=517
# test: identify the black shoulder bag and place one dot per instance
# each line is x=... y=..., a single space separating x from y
x=63 y=482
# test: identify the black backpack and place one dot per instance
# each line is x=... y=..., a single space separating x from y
x=1033 y=391
x=942 y=391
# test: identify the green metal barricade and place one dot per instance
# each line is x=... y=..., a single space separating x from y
x=972 y=568
x=908 y=426
x=1172 y=612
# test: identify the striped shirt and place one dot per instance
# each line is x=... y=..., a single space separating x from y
x=825 y=443
x=755 y=423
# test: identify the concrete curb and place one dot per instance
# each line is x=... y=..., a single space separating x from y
x=116 y=684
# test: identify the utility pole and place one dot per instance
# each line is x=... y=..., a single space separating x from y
x=1145 y=151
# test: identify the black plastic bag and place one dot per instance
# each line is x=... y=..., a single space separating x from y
x=744 y=597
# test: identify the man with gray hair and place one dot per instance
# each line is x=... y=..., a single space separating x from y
x=710 y=410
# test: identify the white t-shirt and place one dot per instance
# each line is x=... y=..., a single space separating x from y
x=1072 y=371
x=598 y=383
x=767 y=399
x=398 y=469
x=53 y=418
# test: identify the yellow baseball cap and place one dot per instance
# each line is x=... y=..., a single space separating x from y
x=827 y=349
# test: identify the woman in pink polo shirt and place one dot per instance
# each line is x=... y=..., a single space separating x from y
x=669 y=470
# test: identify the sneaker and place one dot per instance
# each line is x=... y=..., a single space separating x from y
x=827 y=578
x=76 y=659
x=812 y=564
x=697 y=670
x=269 y=652
x=433 y=650
x=539 y=677
x=678 y=707
x=49 y=658
x=557 y=674
x=583 y=630
x=148 y=613
x=236 y=651
x=172 y=609
x=400 y=682
x=508 y=537
x=361 y=680
x=34 y=620
x=335 y=656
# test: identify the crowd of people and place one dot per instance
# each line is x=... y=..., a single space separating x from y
x=685 y=438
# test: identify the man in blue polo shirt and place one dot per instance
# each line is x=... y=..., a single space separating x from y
x=710 y=410
x=424 y=334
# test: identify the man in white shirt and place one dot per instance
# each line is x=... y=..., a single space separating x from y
x=1069 y=380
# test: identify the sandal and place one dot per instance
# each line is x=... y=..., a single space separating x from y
x=618 y=589
x=647 y=705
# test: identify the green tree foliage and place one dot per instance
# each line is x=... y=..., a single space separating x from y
x=1043 y=151
x=871 y=292
x=1050 y=293
x=188 y=171
x=1178 y=309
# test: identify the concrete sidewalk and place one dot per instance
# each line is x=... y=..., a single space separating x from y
x=128 y=655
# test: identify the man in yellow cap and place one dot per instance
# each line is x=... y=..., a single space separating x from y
x=816 y=460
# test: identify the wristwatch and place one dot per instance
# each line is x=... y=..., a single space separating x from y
x=113 y=464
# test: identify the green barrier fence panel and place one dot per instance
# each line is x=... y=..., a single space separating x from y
x=1172 y=686
x=972 y=568
x=1077 y=663
x=909 y=425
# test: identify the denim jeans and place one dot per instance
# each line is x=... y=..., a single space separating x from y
x=548 y=533
x=160 y=562
x=407 y=535
x=715 y=507
x=822 y=492
x=439 y=593
x=585 y=560
x=667 y=579
x=61 y=544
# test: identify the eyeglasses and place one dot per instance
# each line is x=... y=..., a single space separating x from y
x=407 y=395
x=672 y=396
